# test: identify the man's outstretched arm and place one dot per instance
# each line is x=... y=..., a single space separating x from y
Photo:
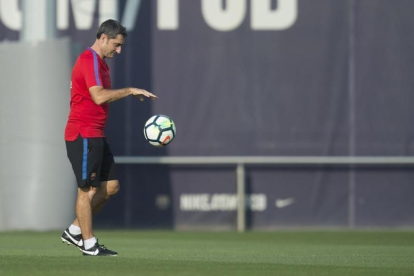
x=100 y=95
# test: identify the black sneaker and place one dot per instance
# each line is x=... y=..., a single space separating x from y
x=70 y=239
x=98 y=250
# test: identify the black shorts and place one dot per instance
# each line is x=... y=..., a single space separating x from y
x=92 y=161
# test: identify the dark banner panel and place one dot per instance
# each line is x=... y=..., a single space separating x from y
x=300 y=197
x=196 y=198
x=384 y=198
x=145 y=199
x=383 y=77
x=256 y=92
x=275 y=198
x=210 y=205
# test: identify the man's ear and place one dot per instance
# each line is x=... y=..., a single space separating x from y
x=103 y=38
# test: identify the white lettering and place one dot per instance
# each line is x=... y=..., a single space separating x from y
x=10 y=14
x=227 y=19
x=108 y=9
x=167 y=14
x=263 y=18
x=62 y=11
x=130 y=15
x=220 y=202
x=258 y=202
x=220 y=18
x=223 y=202
x=83 y=11
x=194 y=202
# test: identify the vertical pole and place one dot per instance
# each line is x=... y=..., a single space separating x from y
x=352 y=114
x=241 y=209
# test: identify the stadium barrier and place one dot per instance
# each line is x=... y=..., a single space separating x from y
x=240 y=163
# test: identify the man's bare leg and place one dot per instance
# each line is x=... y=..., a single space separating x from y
x=90 y=200
x=103 y=194
x=84 y=210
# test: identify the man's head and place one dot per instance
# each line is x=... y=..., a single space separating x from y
x=111 y=36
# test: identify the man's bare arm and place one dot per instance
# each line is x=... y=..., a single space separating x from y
x=100 y=95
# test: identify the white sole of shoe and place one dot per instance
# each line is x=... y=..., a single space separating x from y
x=69 y=243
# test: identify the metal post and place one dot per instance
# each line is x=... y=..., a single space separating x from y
x=352 y=198
x=352 y=114
x=241 y=209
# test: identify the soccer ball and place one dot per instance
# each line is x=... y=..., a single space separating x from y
x=159 y=130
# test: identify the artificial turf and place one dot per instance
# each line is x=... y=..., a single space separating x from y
x=279 y=253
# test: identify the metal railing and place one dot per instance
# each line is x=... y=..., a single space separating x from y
x=241 y=161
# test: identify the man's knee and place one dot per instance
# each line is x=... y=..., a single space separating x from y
x=112 y=187
x=88 y=192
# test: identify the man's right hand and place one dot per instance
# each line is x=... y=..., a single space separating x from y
x=141 y=94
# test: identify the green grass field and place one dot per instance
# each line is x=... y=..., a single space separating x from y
x=214 y=253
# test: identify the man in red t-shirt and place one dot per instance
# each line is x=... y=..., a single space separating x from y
x=87 y=148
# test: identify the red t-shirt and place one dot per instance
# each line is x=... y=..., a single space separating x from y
x=87 y=118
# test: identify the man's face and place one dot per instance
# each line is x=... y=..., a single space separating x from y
x=112 y=46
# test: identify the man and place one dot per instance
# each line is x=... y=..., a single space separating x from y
x=87 y=149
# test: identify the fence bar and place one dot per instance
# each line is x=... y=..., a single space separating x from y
x=262 y=160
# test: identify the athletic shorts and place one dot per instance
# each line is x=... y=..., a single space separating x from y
x=92 y=161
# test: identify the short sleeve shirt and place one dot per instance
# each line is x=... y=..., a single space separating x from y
x=87 y=118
